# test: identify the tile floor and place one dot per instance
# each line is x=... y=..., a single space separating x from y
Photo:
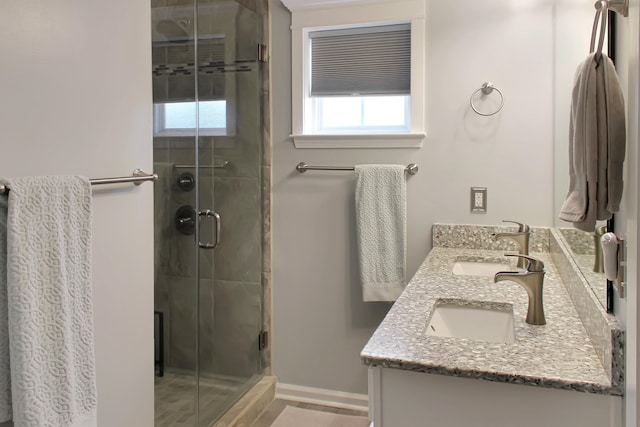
x=175 y=398
x=273 y=410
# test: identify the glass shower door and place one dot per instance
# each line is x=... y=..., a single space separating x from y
x=208 y=153
x=229 y=177
x=175 y=213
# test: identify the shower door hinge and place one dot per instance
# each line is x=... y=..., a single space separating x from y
x=263 y=53
x=263 y=340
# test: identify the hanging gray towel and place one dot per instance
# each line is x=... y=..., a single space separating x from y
x=597 y=139
x=50 y=311
x=381 y=219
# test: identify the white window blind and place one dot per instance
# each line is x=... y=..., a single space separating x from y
x=361 y=61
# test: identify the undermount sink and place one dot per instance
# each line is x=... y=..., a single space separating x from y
x=479 y=268
x=472 y=320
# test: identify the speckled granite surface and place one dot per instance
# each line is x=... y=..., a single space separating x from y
x=558 y=355
x=480 y=237
x=580 y=246
x=605 y=332
x=580 y=242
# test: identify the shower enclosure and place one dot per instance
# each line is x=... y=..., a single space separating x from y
x=209 y=210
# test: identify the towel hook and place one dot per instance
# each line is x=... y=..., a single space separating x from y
x=621 y=7
x=486 y=89
x=601 y=15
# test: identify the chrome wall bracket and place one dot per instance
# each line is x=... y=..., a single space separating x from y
x=621 y=280
x=619 y=6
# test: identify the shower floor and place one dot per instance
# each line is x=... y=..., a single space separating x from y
x=175 y=397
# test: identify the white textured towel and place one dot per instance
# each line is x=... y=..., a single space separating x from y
x=381 y=217
x=50 y=314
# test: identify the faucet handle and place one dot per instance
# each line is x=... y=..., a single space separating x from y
x=522 y=228
x=600 y=230
x=535 y=265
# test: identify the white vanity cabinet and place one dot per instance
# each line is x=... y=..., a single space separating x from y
x=401 y=398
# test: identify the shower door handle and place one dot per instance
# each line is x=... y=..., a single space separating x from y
x=216 y=238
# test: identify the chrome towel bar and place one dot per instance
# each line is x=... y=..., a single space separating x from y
x=215 y=166
x=302 y=167
x=137 y=177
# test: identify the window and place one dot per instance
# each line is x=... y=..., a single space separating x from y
x=360 y=79
x=354 y=114
x=358 y=75
x=179 y=118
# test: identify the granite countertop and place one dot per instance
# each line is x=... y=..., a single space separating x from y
x=557 y=355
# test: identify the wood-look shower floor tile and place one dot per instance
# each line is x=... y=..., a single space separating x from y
x=175 y=398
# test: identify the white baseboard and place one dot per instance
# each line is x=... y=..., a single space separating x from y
x=319 y=396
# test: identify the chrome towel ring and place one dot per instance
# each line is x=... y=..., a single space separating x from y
x=486 y=89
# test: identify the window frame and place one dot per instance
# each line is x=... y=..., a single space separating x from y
x=339 y=16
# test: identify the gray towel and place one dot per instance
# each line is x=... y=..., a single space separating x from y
x=381 y=218
x=597 y=138
x=50 y=312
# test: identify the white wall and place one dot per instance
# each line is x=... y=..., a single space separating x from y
x=631 y=212
x=627 y=64
x=75 y=98
x=320 y=323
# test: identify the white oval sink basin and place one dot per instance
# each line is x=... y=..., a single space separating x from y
x=473 y=268
x=493 y=322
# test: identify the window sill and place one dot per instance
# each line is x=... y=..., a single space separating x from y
x=397 y=140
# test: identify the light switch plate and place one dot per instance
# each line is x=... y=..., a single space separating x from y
x=478 y=199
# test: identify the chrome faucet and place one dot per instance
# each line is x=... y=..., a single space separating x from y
x=598 y=261
x=521 y=237
x=531 y=280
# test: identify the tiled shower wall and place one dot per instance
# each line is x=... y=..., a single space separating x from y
x=235 y=277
